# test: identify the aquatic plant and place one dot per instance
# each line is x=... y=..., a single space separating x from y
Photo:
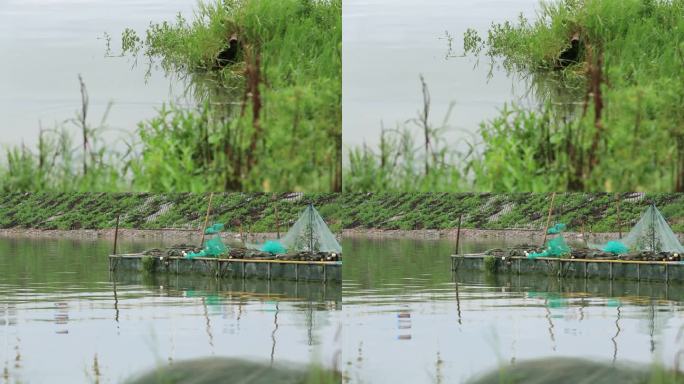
x=412 y=157
x=575 y=370
x=607 y=75
x=622 y=127
x=267 y=118
x=212 y=370
x=61 y=163
x=490 y=264
x=148 y=265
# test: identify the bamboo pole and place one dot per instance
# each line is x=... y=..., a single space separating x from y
x=277 y=222
x=311 y=230
x=242 y=234
x=206 y=219
x=619 y=223
x=548 y=219
x=116 y=233
x=458 y=233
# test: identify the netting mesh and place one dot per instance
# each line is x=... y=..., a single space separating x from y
x=213 y=247
x=310 y=234
x=556 y=246
x=652 y=233
x=273 y=247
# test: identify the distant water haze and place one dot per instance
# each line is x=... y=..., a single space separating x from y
x=387 y=44
x=45 y=44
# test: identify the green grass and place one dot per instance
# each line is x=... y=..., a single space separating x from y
x=270 y=121
x=411 y=157
x=257 y=212
x=611 y=122
x=625 y=130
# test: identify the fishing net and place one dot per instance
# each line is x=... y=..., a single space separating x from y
x=213 y=247
x=310 y=234
x=273 y=247
x=615 y=247
x=556 y=229
x=556 y=246
x=652 y=233
x=214 y=229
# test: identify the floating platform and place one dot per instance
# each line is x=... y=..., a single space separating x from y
x=662 y=271
x=324 y=271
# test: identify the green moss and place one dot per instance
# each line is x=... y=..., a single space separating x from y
x=148 y=265
x=490 y=264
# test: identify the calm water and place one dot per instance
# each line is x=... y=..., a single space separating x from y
x=45 y=44
x=388 y=43
x=408 y=319
x=60 y=310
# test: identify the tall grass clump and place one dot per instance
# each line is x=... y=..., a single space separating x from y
x=414 y=156
x=608 y=78
x=266 y=114
x=270 y=119
x=72 y=156
x=622 y=128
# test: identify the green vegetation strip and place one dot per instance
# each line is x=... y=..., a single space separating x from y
x=257 y=212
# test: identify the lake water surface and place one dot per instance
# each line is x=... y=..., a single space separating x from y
x=408 y=319
x=64 y=318
x=45 y=44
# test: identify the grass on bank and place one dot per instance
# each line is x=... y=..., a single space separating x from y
x=612 y=121
x=406 y=211
x=268 y=120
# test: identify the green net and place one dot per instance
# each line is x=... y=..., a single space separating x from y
x=556 y=229
x=213 y=247
x=650 y=233
x=615 y=247
x=214 y=229
x=273 y=247
x=555 y=247
x=308 y=234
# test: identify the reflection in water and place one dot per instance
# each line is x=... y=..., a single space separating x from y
x=65 y=317
x=275 y=329
x=475 y=321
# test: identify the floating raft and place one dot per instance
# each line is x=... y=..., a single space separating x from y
x=325 y=271
x=662 y=271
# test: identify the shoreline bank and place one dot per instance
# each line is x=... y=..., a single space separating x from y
x=125 y=234
x=356 y=233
